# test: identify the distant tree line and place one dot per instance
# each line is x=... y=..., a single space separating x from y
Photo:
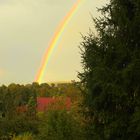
x=16 y=120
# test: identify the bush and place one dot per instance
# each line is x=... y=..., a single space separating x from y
x=25 y=136
x=59 y=125
x=17 y=126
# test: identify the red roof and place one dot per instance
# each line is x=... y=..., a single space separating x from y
x=43 y=103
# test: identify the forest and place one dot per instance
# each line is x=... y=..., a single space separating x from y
x=104 y=105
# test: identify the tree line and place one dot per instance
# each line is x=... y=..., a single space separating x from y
x=15 y=122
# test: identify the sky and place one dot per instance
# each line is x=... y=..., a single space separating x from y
x=26 y=28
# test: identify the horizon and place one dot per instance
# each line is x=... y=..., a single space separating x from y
x=50 y=82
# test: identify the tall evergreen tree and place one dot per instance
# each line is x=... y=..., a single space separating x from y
x=111 y=63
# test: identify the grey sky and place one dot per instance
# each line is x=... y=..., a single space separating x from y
x=26 y=27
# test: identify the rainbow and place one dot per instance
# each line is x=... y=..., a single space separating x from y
x=54 y=40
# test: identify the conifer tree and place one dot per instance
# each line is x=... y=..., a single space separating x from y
x=111 y=63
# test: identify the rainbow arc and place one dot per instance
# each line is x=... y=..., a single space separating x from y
x=54 y=40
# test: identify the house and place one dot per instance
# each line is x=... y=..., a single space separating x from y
x=45 y=103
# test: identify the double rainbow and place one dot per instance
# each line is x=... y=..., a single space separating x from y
x=54 y=40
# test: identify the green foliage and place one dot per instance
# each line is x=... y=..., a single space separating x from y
x=111 y=77
x=18 y=113
x=31 y=107
x=59 y=125
x=25 y=136
x=20 y=124
x=71 y=90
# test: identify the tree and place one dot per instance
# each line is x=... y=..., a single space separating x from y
x=59 y=124
x=31 y=107
x=111 y=77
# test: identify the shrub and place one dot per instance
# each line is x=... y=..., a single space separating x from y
x=25 y=136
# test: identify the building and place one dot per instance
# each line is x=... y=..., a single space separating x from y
x=45 y=103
